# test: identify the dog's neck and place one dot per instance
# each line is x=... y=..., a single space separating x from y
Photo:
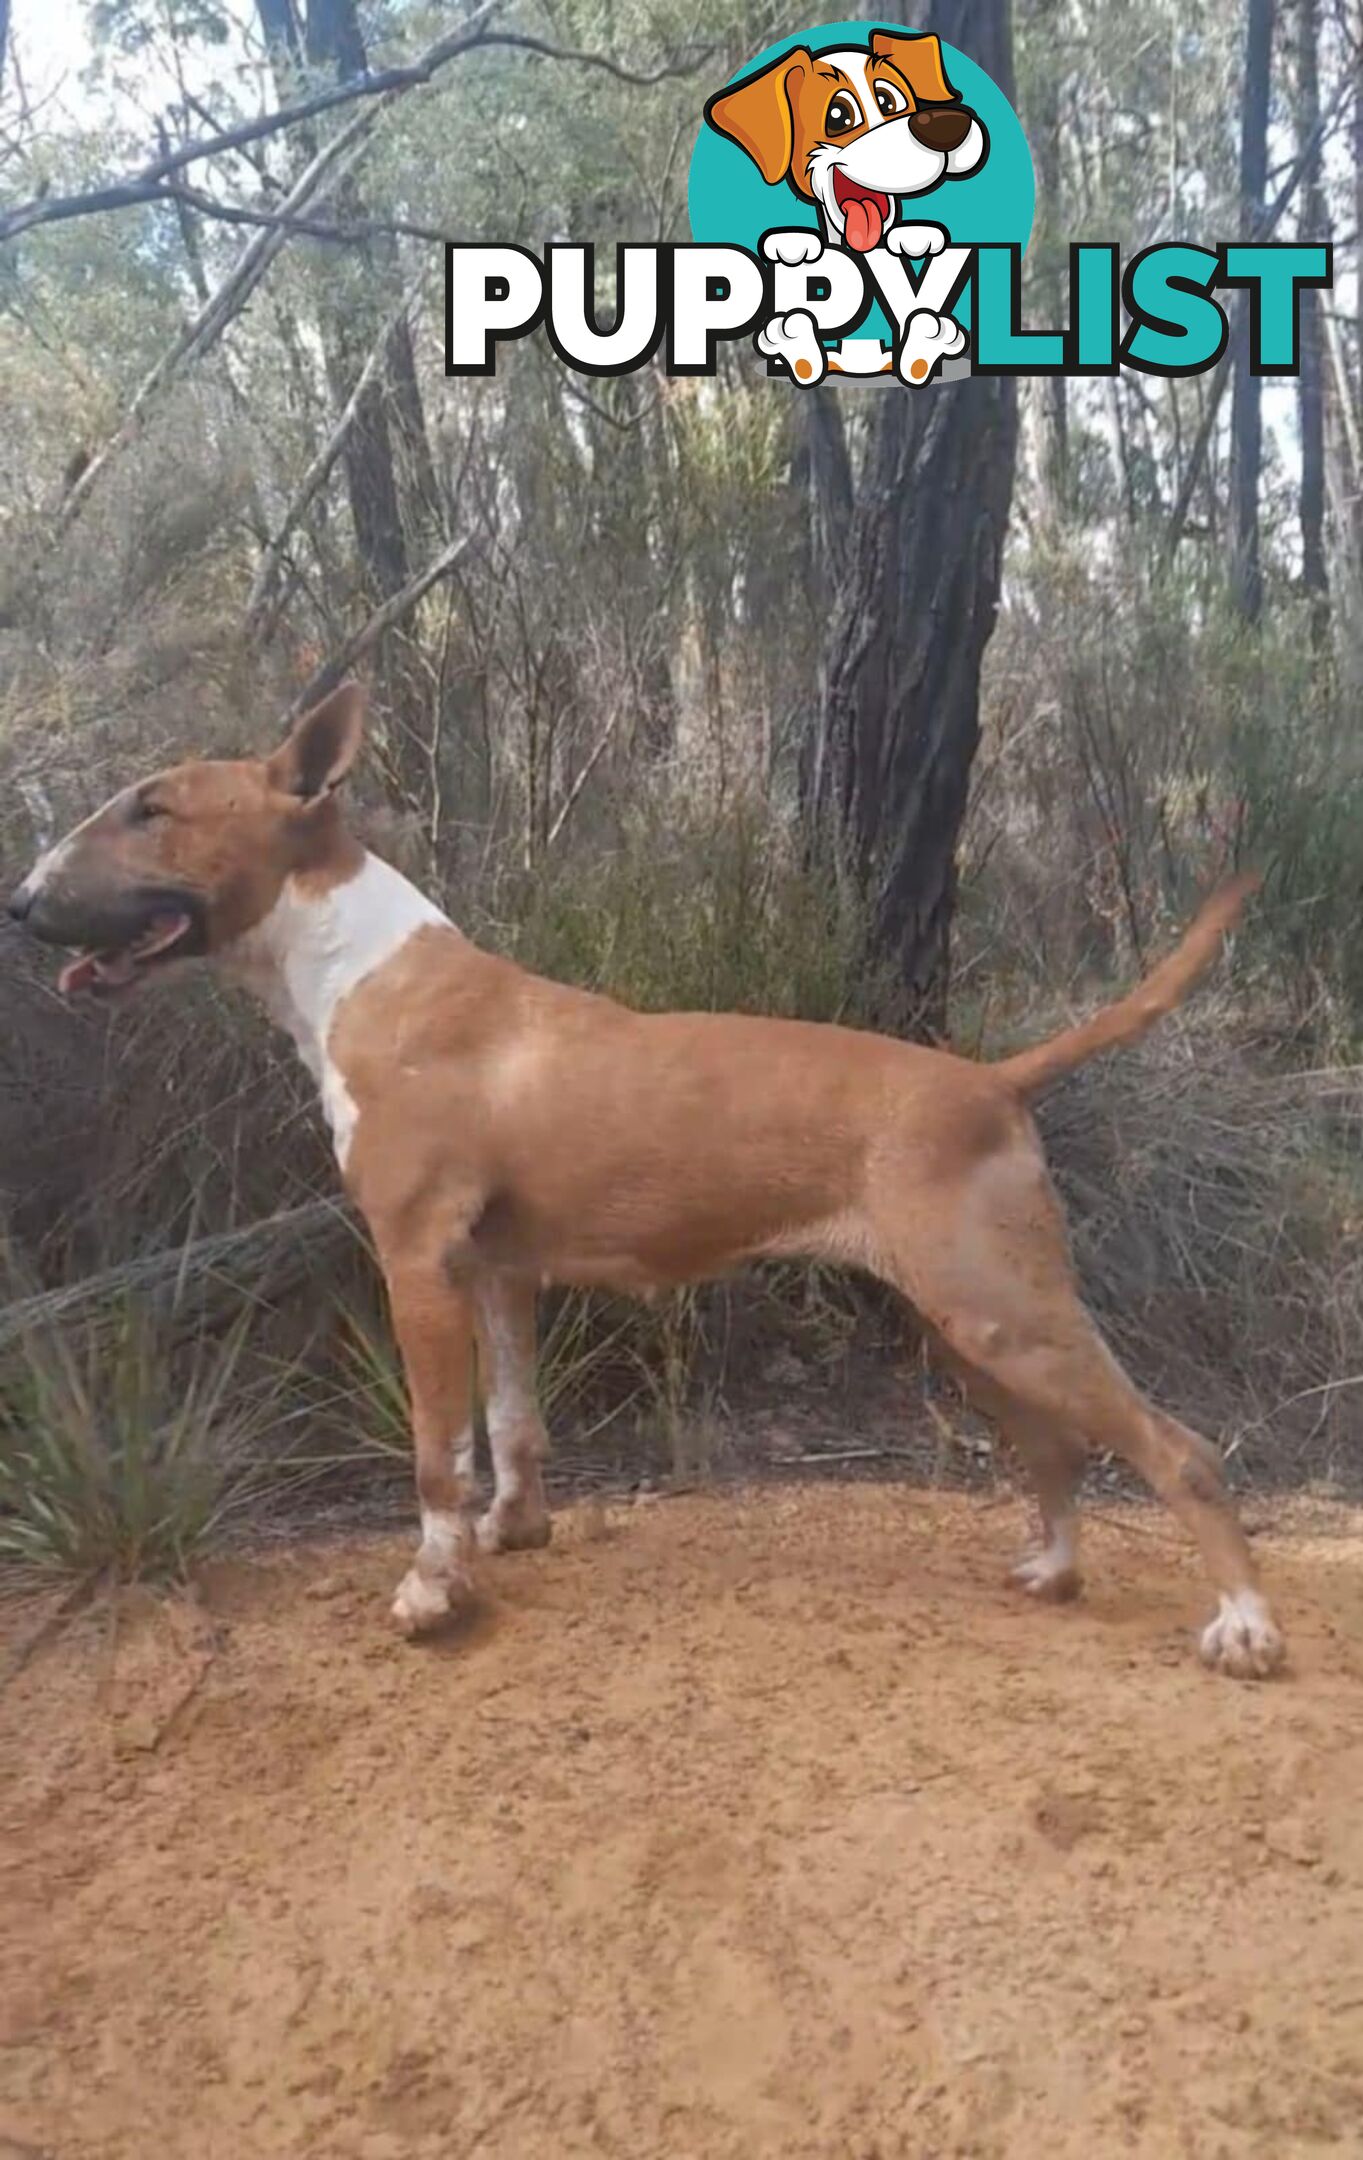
x=319 y=941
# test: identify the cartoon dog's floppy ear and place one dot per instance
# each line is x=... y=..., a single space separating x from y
x=758 y=113
x=919 y=61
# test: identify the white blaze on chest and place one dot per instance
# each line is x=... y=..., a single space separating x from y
x=313 y=949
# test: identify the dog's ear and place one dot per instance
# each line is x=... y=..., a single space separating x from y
x=322 y=747
x=759 y=114
x=919 y=61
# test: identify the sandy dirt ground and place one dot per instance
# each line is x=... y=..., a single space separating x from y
x=769 y=1824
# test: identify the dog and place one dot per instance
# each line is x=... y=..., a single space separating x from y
x=852 y=131
x=499 y=1131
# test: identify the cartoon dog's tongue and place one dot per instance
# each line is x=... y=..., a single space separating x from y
x=864 y=223
x=865 y=213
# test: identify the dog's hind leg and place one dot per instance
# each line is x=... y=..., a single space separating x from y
x=504 y=1315
x=1054 y=1462
x=433 y=1319
x=1053 y=1459
x=984 y=1260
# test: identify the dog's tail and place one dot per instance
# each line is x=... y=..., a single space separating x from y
x=1165 y=987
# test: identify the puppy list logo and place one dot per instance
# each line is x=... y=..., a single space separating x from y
x=860 y=201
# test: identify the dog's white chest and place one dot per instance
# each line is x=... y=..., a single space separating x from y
x=312 y=950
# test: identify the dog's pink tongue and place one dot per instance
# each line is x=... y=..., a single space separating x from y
x=78 y=974
x=863 y=224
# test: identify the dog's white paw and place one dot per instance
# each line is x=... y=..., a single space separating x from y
x=1050 y=1573
x=794 y=339
x=423 y=1601
x=1242 y=1640
x=928 y=340
x=915 y=240
x=792 y=248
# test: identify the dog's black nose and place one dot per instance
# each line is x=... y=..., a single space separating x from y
x=941 y=127
x=20 y=901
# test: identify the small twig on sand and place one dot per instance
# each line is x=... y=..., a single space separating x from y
x=856 y=1454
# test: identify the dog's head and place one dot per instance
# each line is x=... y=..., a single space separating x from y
x=179 y=866
x=853 y=130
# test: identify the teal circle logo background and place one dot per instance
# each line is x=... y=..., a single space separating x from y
x=729 y=201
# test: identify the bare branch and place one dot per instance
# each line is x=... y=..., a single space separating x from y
x=330 y=673
x=148 y=185
x=258 y=606
x=588 y=767
x=199 y=336
x=197 y=1283
x=308 y=228
x=1268 y=225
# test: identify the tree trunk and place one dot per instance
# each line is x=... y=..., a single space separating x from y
x=1343 y=465
x=908 y=620
x=1048 y=394
x=1356 y=39
x=1246 y=421
x=336 y=41
x=1310 y=393
x=358 y=284
x=335 y=46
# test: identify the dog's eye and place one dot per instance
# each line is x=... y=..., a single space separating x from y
x=890 y=99
x=843 y=113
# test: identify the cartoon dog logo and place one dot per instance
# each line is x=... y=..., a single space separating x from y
x=853 y=131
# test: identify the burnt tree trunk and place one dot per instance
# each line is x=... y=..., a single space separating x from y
x=1310 y=392
x=1246 y=419
x=909 y=616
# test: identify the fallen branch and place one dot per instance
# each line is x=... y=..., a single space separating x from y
x=855 y=1454
x=199 y=1283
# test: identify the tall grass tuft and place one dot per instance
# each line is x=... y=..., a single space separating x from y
x=121 y=1453
x=592 y=1368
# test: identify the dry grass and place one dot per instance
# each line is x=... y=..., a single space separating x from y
x=1217 y=1212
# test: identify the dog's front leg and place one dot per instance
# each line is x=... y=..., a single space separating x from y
x=433 y=1320
x=504 y=1317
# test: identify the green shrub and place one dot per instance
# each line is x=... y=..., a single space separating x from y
x=693 y=909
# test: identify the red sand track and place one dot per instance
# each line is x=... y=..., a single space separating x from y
x=770 y=1826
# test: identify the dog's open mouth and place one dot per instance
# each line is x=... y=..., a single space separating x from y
x=109 y=970
x=865 y=211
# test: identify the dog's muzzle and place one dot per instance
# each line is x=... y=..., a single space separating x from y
x=114 y=936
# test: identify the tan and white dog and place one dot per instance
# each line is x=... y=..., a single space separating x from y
x=499 y=1131
x=852 y=131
